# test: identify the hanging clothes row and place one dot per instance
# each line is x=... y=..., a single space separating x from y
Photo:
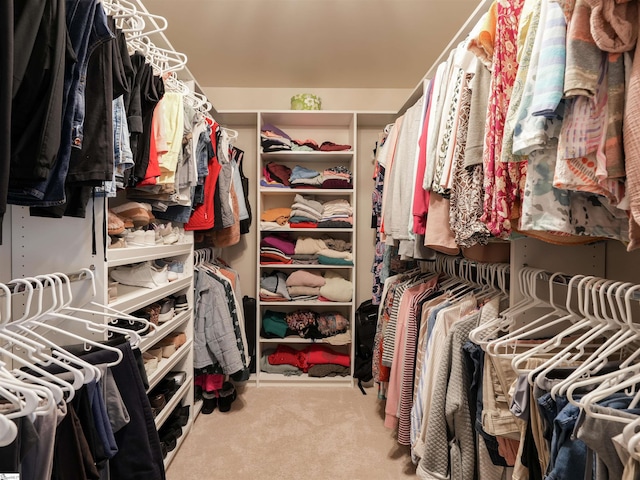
x=75 y=408
x=220 y=339
x=546 y=388
x=520 y=131
x=103 y=112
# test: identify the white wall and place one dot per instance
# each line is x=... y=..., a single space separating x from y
x=351 y=99
x=5 y=248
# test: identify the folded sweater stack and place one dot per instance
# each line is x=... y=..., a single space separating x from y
x=305 y=359
x=305 y=213
x=281 y=176
x=272 y=139
x=277 y=248
x=303 y=285
x=336 y=214
x=325 y=251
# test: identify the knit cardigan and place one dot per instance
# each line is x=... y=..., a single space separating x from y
x=450 y=450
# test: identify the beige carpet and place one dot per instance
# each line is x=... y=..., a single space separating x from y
x=283 y=433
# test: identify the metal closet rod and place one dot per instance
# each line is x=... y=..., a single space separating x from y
x=16 y=287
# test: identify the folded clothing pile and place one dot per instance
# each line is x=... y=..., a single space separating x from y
x=276 y=216
x=336 y=288
x=273 y=287
x=302 y=177
x=310 y=358
x=337 y=177
x=331 y=327
x=324 y=251
x=304 y=285
x=336 y=214
x=276 y=248
x=281 y=176
x=272 y=139
x=305 y=212
x=276 y=175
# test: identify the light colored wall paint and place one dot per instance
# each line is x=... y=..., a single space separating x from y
x=5 y=248
x=357 y=99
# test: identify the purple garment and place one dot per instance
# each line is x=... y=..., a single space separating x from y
x=282 y=243
x=335 y=183
x=276 y=130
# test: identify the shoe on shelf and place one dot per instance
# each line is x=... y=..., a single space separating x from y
x=181 y=303
x=139 y=213
x=166 y=309
x=117 y=242
x=172 y=237
x=115 y=226
x=150 y=363
x=135 y=239
x=173 y=265
x=178 y=377
x=150 y=238
x=143 y=274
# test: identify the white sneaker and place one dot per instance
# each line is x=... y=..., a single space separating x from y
x=136 y=239
x=141 y=275
x=150 y=238
x=172 y=237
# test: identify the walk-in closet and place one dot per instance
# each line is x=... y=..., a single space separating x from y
x=323 y=239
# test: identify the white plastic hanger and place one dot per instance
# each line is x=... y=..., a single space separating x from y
x=106 y=311
x=91 y=372
x=621 y=338
x=43 y=321
x=576 y=349
x=65 y=386
x=498 y=347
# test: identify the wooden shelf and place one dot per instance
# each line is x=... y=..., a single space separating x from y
x=290 y=229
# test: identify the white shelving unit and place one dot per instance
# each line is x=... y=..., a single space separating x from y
x=66 y=247
x=340 y=128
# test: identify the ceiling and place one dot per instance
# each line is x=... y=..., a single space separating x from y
x=311 y=43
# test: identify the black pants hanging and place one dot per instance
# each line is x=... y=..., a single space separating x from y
x=6 y=85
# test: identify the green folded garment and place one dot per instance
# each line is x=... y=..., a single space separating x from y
x=324 y=260
x=275 y=323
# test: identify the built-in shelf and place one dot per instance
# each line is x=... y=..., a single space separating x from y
x=164 y=329
x=293 y=155
x=132 y=298
x=306 y=303
x=306 y=191
x=166 y=364
x=278 y=379
x=172 y=454
x=292 y=229
x=129 y=255
x=171 y=404
x=293 y=339
x=302 y=266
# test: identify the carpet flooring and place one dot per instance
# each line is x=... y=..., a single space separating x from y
x=282 y=433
